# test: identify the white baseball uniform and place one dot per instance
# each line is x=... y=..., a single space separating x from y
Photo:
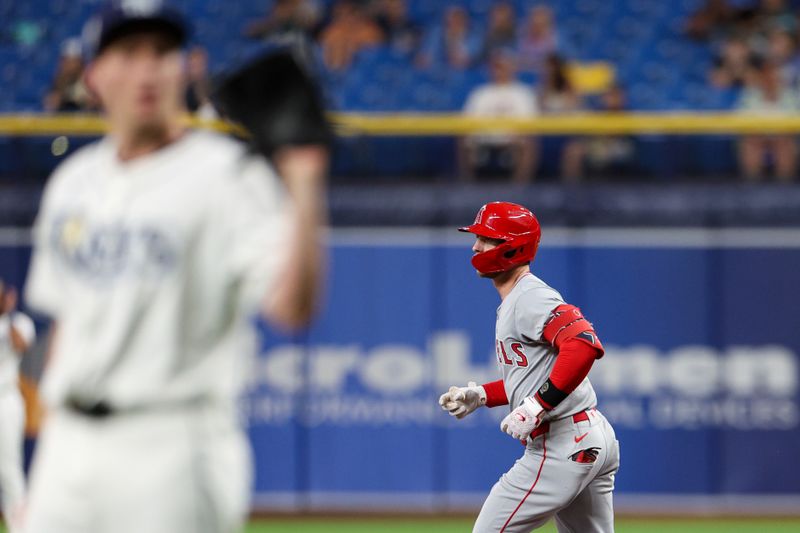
x=12 y=414
x=152 y=269
x=552 y=479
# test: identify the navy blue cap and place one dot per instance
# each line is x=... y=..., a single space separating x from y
x=118 y=18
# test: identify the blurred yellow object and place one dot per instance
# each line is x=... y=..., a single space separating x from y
x=665 y=123
x=591 y=78
x=419 y=124
x=78 y=124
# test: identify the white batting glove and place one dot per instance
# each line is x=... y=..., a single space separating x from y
x=521 y=422
x=461 y=401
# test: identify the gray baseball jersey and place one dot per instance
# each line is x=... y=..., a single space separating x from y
x=567 y=471
x=524 y=357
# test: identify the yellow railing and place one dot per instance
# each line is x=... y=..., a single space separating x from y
x=454 y=124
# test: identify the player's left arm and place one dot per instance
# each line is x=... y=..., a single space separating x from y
x=277 y=100
x=295 y=299
x=578 y=346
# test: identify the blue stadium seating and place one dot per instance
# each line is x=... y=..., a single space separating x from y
x=642 y=38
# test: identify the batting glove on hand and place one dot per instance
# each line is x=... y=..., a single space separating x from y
x=461 y=401
x=521 y=422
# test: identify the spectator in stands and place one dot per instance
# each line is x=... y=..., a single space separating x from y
x=712 y=22
x=733 y=66
x=349 y=31
x=286 y=17
x=776 y=15
x=768 y=95
x=782 y=51
x=557 y=96
x=607 y=153
x=198 y=88
x=539 y=39
x=68 y=91
x=503 y=96
x=454 y=43
x=402 y=34
x=501 y=32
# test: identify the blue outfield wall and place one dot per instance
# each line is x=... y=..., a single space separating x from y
x=701 y=376
x=700 y=379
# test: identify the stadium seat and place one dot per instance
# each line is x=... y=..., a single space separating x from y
x=641 y=38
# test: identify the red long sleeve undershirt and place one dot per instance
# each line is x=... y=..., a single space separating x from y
x=495 y=393
x=575 y=359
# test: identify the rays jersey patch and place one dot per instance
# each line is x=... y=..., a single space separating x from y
x=106 y=252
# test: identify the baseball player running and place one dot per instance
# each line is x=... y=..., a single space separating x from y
x=545 y=349
x=17 y=333
x=153 y=249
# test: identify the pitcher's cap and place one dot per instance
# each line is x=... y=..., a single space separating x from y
x=118 y=18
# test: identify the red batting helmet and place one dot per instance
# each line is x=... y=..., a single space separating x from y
x=516 y=226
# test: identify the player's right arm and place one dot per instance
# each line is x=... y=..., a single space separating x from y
x=461 y=401
x=46 y=288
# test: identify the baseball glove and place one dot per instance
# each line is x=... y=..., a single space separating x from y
x=276 y=101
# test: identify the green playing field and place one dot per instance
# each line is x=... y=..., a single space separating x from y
x=371 y=525
x=402 y=525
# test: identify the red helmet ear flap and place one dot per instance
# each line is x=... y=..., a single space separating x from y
x=504 y=256
x=491 y=261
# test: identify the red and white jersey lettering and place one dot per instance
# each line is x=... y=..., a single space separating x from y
x=525 y=358
x=516 y=351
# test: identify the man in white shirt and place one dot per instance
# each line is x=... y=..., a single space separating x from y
x=768 y=94
x=153 y=248
x=17 y=333
x=504 y=96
